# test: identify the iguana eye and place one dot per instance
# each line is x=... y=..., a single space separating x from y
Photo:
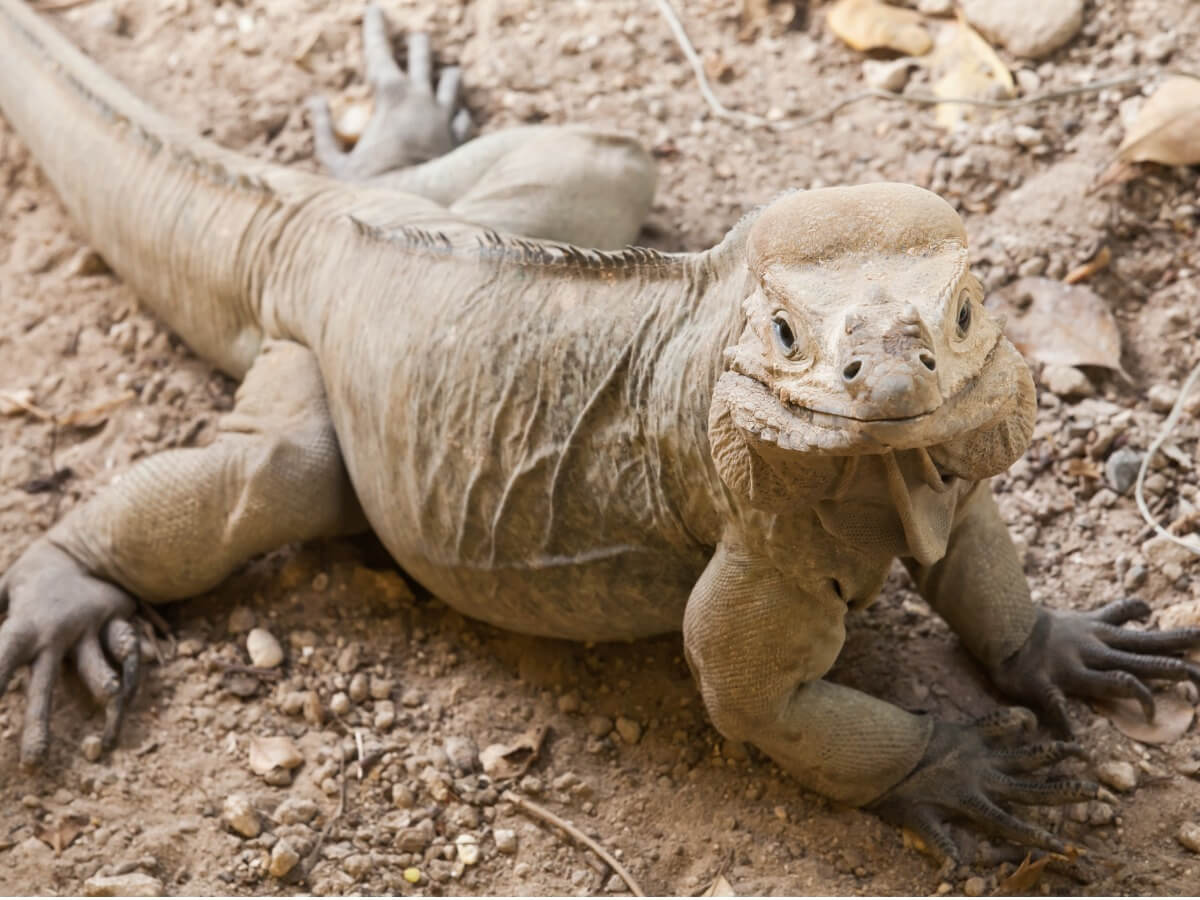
x=963 y=323
x=784 y=336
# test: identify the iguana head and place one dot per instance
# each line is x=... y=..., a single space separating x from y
x=865 y=331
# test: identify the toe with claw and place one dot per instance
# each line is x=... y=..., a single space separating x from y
x=968 y=771
x=411 y=122
x=55 y=610
x=1090 y=655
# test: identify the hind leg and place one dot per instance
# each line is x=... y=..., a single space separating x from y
x=563 y=183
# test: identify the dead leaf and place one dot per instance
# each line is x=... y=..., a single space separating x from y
x=1167 y=129
x=1083 y=468
x=872 y=25
x=1021 y=882
x=720 y=888
x=1172 y=718
x=267 y=753
x=1086 y=270
x=1059 y=324
x=59 y=835
x=513 y=759
x=964 y=65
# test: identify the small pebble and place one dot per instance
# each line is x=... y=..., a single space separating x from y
x=1162 y=397
x=264 y=650
x=1067 y=382
x=1121 y=468
x=239 y=816
x=1118 y=775
x=358 y=689
x=615 y=884
x=241 y=620
x=506 y=840
x=462 y=752
x=283 y=858
x=1189 y=836
x=468 y=849
x=975 y=886
x=570 y=702
x=599 y=726
x=411 y=697
x=91 y=747
x=402 y=796
x=385 y=715
x=381 y=688
x=339 y=704
x=629 y=730
x=295 y=811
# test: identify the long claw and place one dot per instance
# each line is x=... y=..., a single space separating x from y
x=16 y=648
x=122 y=643
x=1176 y=641
x=36 y=737
x=1007 y=721
x=1030 y=758
x=924 y=824
x=1103 y=685
x=992 y=818
x=1144 y=666
x=1042 y=793
x=1121 y=611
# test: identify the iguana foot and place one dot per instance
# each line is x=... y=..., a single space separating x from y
x=968 y=770
x=411 y=123
x=1090 y=655
x=54 y=610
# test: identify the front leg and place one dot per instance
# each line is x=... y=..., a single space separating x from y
x=758 y=645
x=1036 y=655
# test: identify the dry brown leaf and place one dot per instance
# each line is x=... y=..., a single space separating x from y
x=513 y=759
x=1172 y=718
x=1097 y=263
x=1059 y=324
x=1167 y=130
x=1025 y=877
x=964 y=65
x=1083 y=468
x=60 y=834
x=267 y=753
x=872 y=25
x=720 y=888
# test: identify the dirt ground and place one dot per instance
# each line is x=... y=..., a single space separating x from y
x=629 y=755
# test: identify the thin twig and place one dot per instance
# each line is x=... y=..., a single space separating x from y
x=1165 y=432
x=540 y=812
x=723 y=112
x=719 y=109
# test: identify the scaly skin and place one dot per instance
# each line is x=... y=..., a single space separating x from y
x=563 y=441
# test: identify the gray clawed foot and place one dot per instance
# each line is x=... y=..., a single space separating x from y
x=55 y=611
x=968 y=772
x=411 y=123
x=1091 y=655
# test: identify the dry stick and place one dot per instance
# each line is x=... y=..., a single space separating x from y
x=724 y=112
x=540 y=812
x=1165 y=432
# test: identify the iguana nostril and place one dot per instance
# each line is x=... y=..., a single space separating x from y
x=927 y=360
x=851 y=371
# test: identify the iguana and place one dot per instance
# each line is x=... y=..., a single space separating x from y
x=567 y=441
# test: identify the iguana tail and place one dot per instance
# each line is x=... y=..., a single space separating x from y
x=190 y=225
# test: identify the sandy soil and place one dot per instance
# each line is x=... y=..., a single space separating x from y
x=661 y=790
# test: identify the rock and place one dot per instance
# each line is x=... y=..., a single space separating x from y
x=1189 y=836
x=1101 y=813
x=411 y=698
x=412 y=875
x=241 y=620
x=599 y=726
x=416 y=838
x=570 y=702
x=292 y=703
x=1067 y=382
x=1121 y=468
x=283 y=858
x=339 y=704
x=239 y=816
x=1162 y=397
x=295 y=811
x=358 y=689
x=975 y=886
x=1029 y=28
x=1118 y=775
x=506 y=840
x=462 y=752
x=385 y=715
x=888 y=75
x=91 y=747
x=629 y=730
x=1027 y=136
x=264 y=650
x=403 y=797
x=347 y=660
x=615 y=885
x=357 y=865
x=131 y=884
x=381 y=688
x=267 y=753
x=935 y=7
x=18 y=403
x=468 y=849
x=314 y=712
